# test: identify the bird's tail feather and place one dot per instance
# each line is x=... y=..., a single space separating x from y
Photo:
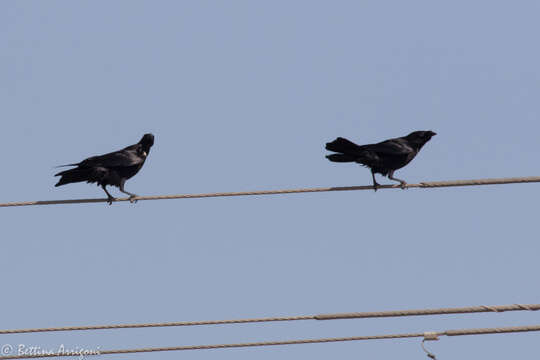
x=73 y=176
x=343 y=145
x=340 y=158
x=59 y=166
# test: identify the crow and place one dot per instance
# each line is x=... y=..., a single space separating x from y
x=110 y=169
x=384 y=157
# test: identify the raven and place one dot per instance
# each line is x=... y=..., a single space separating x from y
x=110 y=169
x=384 y=157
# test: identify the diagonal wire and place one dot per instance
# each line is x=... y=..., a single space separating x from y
x=423 y=185
x=461 y=332
x=354 y=315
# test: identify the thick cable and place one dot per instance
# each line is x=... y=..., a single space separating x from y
x=354 y=315
x=432 y=184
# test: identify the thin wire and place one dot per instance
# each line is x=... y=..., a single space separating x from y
x=355 y=315
x=432 y=184
x=461 y=332
x=428 y=353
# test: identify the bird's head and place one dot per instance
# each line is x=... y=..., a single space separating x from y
x=147 y=141
x=419 y=138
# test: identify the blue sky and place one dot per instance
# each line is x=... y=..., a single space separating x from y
x=242 y=95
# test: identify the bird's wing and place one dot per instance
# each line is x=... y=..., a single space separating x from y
x=127 y=157
x=392 y=147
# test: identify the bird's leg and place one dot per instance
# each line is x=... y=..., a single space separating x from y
x=109 y=196
x=375 y=183
x=131 y=195
x=403 y=183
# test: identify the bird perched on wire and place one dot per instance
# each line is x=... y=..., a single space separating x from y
x=110 y=169
x=383 y=158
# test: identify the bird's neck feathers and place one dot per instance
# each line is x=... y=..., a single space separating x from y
x=143 y=150
x=416 y=142
x=146 y=148
x=146 y=142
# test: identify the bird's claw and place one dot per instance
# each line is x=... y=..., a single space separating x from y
x=110 y=200
x=133 y=199
x=403 y=185
x=376 y=186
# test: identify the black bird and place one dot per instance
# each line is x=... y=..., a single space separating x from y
x=384 y=157
x=110 y=169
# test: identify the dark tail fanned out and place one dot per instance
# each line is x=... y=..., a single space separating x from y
x=349 y=150
x=342 y=145
x=73 y=176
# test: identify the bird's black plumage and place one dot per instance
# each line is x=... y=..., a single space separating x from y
x=110 y=169
x=383 y=158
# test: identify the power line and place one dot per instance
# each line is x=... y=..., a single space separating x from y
x=432 y=184
x=426 y=335
x=442 y=311
x=355 y=315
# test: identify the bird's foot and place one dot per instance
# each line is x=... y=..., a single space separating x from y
x=133 y=198
x=376 y=186
x=403 y=185
x=110 y=200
